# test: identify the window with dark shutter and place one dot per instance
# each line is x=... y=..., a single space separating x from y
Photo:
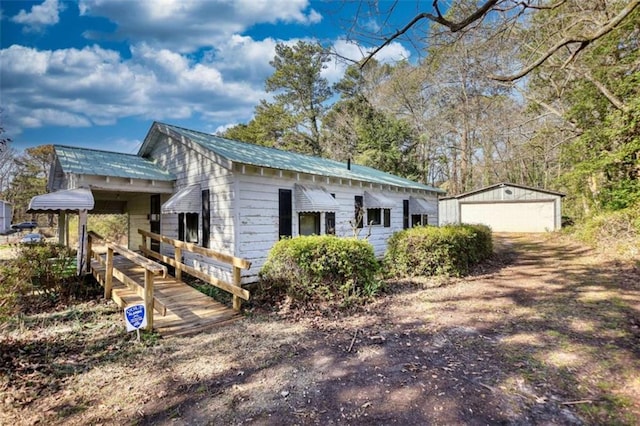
x=285 y=211
x=405 y=214
x=206 y=218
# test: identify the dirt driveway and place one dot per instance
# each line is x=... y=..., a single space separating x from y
x=546 y=333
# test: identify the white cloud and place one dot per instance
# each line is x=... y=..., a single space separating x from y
x=40 y=16
x=80 y=87
x=348 y=53
x=223 y=128
x=187 y=25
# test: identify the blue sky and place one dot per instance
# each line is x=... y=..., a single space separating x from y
x=97 y=73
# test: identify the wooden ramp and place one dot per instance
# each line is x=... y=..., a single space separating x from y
x=179 y=309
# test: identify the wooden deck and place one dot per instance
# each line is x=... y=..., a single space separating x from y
x=179 y=309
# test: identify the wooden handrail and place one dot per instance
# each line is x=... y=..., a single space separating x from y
x=237 y=263
x=225 y=258
x=151 y=269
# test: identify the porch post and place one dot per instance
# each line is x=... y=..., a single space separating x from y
x=82 y=241
x=62 y=228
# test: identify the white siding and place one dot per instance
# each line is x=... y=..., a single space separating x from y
x=448 y=211
x=193 y=168
x=244 y=206
x=138 y=209
x=259 y=213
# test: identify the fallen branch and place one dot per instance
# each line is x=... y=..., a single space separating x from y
x=353 y=340
x=582 y=401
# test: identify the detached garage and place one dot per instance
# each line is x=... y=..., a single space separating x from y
x=505 y=207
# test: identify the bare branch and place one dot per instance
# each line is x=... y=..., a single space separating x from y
x=615 y=101
x=583 y=40
x=440 y=19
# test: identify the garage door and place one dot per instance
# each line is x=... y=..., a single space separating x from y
x=511 y=217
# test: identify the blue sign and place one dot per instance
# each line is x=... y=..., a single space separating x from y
x=135 y=316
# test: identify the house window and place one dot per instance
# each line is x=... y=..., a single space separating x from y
x=330 y=223
x=309 y=223
x=405 y=214
x=374 y=216
x=359 y=211
x=419 y=219
x=188 y=227
x=284 y=213
x=387 y=217
x=206 y=218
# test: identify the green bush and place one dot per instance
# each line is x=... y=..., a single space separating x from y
x=616 y=231
x=320 y=269
x=39 y=274
x=427 y=250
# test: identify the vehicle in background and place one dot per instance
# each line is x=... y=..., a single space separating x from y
x=24 y=225
x=32 y=239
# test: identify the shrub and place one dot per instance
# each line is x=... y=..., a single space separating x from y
x=40 y=274
x=320 y=269
x=617 y=231
x=428 y=250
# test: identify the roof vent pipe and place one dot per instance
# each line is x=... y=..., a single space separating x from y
x=349 y=163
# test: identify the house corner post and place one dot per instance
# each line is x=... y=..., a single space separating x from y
x=82 y=241
x=62 y=229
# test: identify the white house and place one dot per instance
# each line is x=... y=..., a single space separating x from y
x=239 y=198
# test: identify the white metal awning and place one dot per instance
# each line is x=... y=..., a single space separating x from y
x=374 y=200
x=187 y=200
x=422 y=206
x=314 y=199
x=66 y=200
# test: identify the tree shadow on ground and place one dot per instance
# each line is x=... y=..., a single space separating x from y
x=548 y=341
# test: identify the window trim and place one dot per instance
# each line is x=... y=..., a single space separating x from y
x=317 y=220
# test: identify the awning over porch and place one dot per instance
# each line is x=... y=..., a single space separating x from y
x=187 y=200
x=373 y=200
x=314 y=199
x=62 y=201
x=421 y=206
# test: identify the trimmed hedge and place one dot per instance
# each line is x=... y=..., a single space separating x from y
x=320 y=269
x=427 y=250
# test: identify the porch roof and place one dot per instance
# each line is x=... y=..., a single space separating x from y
x=187 y=200
x=422 y=206
x=86 y=161
x=374 y=200
x=314 y=199
x=67 y=200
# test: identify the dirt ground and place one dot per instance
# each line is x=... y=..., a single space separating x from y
x=547 y=332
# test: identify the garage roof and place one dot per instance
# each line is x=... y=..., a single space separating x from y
x=503 y=184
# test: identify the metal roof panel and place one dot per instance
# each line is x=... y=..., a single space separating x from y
x=262 y=156
x=105 y=163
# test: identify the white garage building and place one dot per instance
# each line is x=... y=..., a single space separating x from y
x=505 y=207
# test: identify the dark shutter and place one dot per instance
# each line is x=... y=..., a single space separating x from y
x=206 y=218
x=359 y=211
x=191 y=228
x=405 y=214
x=387 y=218
x=181 y=226
x=154 y=220
x=285 y=212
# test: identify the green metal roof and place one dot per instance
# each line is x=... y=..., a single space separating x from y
x=104 y=163
x=261 y=156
